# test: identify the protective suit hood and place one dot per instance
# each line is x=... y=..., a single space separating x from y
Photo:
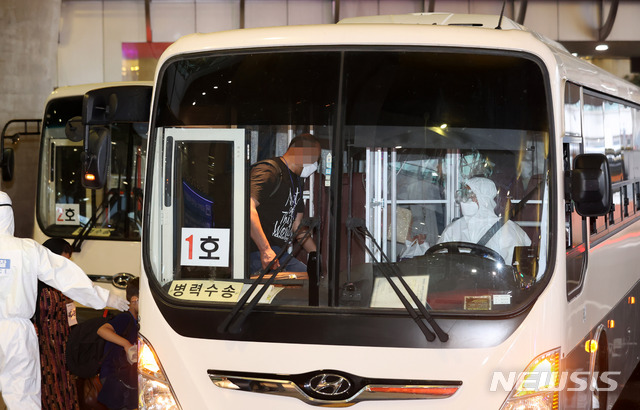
x=22 y=263
x=473 y=228
x=485 y=191
x=6 y=215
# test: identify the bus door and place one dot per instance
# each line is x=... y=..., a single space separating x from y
x=410 y=197
x=68 y=205
x=209 y=226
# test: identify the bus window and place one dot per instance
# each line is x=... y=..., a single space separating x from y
x=200 y=207
x=65 y=207
x=385 y=191
x=575 y=225
x=594 y=141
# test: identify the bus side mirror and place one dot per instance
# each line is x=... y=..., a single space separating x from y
x=591 y=185
x=96 y=157
x=74 y=130
x=7 y=163
x=101 y=108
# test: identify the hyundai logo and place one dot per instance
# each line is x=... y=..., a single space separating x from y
x=328 y=384
x=120 y=280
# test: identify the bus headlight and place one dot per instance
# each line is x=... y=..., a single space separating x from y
x=537 y=387
x=154 y=389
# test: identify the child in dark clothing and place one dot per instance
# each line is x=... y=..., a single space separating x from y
x=118 y=372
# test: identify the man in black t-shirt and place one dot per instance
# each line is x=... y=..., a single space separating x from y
x=276 y=203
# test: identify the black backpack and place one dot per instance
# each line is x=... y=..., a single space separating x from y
x=85 y=349
x=275 y=165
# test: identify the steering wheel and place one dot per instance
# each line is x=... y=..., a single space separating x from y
x=466 y=247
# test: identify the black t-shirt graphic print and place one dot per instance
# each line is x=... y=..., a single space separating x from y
x=279 y=194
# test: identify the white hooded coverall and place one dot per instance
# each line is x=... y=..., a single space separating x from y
x=22 y=263
x=472 y=228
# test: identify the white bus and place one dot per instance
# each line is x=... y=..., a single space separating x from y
x=102 y=224
x=408 y=110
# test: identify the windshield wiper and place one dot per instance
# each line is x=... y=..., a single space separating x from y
x=233 y=322
x=112 y=197
x=388 y=270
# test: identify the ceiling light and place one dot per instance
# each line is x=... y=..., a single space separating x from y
x=602 y=47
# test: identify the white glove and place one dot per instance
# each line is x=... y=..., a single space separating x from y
x=132 y=354
x=117 y=302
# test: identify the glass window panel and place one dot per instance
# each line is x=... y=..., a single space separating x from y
x=572 y=119
x=204 y=170
x=593 y=119
x=65 y=207
x=400 y=132
x=574 y=224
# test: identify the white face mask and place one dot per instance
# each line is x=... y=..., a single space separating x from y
x=469 y=208
x=308 y=169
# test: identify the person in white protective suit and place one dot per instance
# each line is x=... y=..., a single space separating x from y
x=477 y=205
x=22 y=263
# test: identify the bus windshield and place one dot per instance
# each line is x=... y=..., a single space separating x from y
x=433 y=166
x=65 y=208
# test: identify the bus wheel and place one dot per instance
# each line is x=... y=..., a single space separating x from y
x=597 y=386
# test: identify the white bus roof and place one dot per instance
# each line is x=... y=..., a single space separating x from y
x=439 y=19
x=422 y=29
x=81 y=89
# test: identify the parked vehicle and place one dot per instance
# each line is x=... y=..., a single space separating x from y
x=103 y=224
x=408 y=110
